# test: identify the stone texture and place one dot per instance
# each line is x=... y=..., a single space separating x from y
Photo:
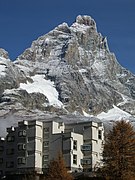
x=86 y=74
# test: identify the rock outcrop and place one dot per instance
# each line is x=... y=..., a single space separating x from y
x=86 y=75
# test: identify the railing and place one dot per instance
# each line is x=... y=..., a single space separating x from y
x=86 y=147
x=86 y=161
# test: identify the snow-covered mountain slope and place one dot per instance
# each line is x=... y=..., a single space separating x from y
x=45 y=87
x=114 y=114
x=70 y=69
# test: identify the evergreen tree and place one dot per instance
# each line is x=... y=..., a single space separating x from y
x=57 y=170
x=119 y=152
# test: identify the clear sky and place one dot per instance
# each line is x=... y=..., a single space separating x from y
x=22 y=21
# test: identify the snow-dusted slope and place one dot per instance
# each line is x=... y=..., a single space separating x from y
x=69 y=67
x=46 y=87
x=114 y=114
x=86 y=74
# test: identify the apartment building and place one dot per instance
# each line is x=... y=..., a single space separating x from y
x=93 y=137
x=31 y=146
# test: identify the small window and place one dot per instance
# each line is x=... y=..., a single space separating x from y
x=86 y=127
x=1 y=148
x=10 y=151
x=86 y=161
x=99 y=134
x=22 y=133
x=10 y=164
x=31 y=152
x=60 y=124
x=74 y=159
x=46 y=143
x=46 y=129
x=46 y=157
x=45 y=165
x=10 y=138
x=1 y=160
x=74 y=145
x=31 y=138
x=21 y=147
x=21 y=160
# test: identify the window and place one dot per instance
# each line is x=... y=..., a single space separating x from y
x=1 y=148
x=46 y=143
x=45 y=157
x=21 y=147
x=1 y=160
x=86 y=127
x=74 y=159
x=60 y=124
x=9 y=164
x=45 y=165
x=75 y=145
x=10 y=138
x=10 y=151
x=99 y=134
x=31 y=138
x=21 y=160
x=86 y=161
x=31 y=152
x=87 y=141
x=86 y=147
x=22 y=133
x=46 y=129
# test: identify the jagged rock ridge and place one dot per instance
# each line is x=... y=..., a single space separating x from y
x=77 y=62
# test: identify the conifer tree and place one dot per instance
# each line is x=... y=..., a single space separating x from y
x=119 y=152
x=57 y=170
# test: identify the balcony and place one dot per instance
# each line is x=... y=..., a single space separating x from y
x=86 y=147
x=86 y=161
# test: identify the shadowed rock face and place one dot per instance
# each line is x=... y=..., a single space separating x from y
x=77 y=59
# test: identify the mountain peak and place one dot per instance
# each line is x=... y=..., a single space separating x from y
x=85 y=20
x=77 y=67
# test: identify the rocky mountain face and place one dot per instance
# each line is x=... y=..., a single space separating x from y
x=70 y=69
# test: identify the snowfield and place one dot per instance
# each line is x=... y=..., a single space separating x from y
x=43 y=86
x=114 y=114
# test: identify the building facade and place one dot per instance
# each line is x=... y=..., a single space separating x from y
x=31 y=146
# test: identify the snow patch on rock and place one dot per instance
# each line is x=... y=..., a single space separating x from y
x=114 y=114
x=43 y=86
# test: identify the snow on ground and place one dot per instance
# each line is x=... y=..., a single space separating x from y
x=114 y=114
x=43 y=86
x=82 y=70
x=125 y=100
x=86 y=114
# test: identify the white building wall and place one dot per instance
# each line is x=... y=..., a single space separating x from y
x=89 y=130
x=79 y=139
x=63 y=143
x=97 y=144
x=38 y=145
x=57 y=127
